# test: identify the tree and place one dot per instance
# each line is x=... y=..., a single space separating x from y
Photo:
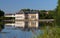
x=1 y=13
x=1 y=20
x=25 y=9
x=51 y=14
x=43 y=11
x=42 y=14
x=58 y=14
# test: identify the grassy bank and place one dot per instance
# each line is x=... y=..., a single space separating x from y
x=50 y=32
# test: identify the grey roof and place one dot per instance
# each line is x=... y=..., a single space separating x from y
x=30 y=12
x=27 y=12
x=20 y=12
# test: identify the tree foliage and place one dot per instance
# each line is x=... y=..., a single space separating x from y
x=1 y=19
x=25 y=9
x=43 y=15
x=58 y=14
x=1 y=13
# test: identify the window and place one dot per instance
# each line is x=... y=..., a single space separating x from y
x=33 y=23
x=33 y=16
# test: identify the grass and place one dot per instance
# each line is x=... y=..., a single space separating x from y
x=50 y=32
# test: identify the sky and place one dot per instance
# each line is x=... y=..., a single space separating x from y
x=12 y=6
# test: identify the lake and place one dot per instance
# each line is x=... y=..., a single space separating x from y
x=12 y=32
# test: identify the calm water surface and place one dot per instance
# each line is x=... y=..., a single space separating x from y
x=11 y=32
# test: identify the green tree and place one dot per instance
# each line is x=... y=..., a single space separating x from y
x=25 y=9
x=1 y=19
x=58 y=14
x=1 y=13
x=42 y=14
x=51 y=14
x=43 y=11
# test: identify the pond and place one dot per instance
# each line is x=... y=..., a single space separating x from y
x=12 y=32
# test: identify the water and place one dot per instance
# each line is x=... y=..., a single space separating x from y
x=11 y=32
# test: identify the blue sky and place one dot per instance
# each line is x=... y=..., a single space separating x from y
x=12 y=6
